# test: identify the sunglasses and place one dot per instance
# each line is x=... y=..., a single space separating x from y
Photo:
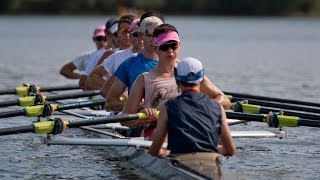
x=124 y=30
x=165 y=47
x=135 y=34
x=101 y=38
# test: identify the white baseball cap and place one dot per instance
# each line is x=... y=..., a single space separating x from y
x=149 y=24
x=189 y=70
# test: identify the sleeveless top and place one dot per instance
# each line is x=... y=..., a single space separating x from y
x=157 y=89
x=194 y=123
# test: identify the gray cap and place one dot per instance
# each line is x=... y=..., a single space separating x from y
x=149 y=24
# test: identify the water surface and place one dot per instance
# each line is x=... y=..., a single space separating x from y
x=276 y=57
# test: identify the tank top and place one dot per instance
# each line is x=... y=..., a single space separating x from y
x=157 y=89
x=194 y=123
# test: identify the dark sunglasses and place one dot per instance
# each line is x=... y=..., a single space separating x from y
x=135 y=34
x=165 y=47
x=101 y=38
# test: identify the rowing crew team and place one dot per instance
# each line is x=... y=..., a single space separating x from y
x=138 y=59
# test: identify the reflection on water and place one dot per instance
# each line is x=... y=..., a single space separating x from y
x=276 y=57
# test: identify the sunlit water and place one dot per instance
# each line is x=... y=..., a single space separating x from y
x=277 y=57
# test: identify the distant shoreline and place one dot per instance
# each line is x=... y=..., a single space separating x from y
x=263 y=8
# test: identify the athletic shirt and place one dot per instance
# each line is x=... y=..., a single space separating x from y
x=194 y=123
x=81 y=61
x=93 y=60
x=114 y=60
x=158 y=89
x=131 y=68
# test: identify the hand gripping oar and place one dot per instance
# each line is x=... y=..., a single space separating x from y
x=242 y=106
x=27 y=90
x=48 y=109
x=58 y=125
x=276 y=104
x=273 y=99
x=40 y=99
x=274 y=119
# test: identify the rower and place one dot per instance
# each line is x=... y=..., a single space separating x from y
x=127 y=72
x=109 y=66
x=194 y=124
x=80 y=62
x=159 y=84
x=110 y=26
x=95 y=78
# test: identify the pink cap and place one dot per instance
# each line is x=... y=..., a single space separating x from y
x=165 y=37
x=134 y=24
x=99 y=31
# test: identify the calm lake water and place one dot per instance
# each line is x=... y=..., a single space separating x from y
x=276 y=57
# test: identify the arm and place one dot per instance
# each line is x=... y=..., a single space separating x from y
x=113 y=102
x=95 y=79
x=104 y=56
x=208 y=88
x=106 y=86
x=161 y=131
x=67 y=71
x=227 y=147
x=82 y=81
x=133 y=103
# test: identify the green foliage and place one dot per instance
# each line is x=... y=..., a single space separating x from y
x=9 y=5
x=226 y=7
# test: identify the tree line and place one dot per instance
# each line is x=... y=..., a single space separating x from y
x=174 y=7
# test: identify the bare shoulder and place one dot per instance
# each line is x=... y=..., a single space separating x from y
x=140 y=79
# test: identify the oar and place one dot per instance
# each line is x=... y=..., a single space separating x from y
x=276 y=104
x=47 y=109
x=273 y=99
x=26 y=89
x=240 y=106
x=40 y=99
x=274 y=120
x=58 y=125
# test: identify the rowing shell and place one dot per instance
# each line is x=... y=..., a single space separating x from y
x=133 y=150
